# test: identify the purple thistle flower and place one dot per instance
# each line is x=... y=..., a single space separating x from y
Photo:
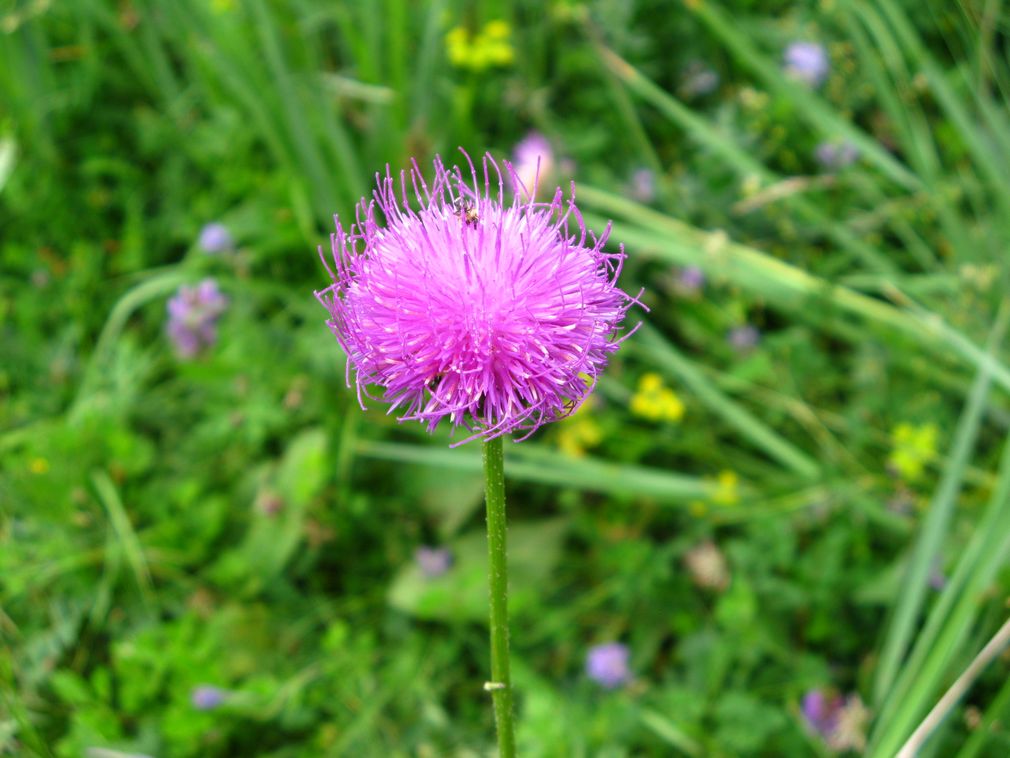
x=808 y=62
x=743 y=338
x=490 y=315
x=534 y=162
x=206 y=697
x=607 y=664
x=193 y=315
x=836 y=155
x=433 y=561
x=215 y=238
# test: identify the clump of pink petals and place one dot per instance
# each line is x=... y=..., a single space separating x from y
x=499 y=317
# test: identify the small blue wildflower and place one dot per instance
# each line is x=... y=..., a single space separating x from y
x=743 y=338
x=821 y=712
x=206 y=697
x=690 y=280
x=643 y=185
x=836 y=155
x=215 y=238
x=433 y=561
x=193 y=315
x=839 y=722
x=937 y=579
x=807 y=62
x=607 y=664
x=698 y=79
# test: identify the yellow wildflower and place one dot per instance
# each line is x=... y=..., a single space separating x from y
x=726 y=492
x=457 y=43
x=655 y=401
x=497 y=30
x=751 y=185
x=38 y=466
x=491 y=47
x=726 y=488
x=912 y=447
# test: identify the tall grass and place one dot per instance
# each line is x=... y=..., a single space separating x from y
x=923 y=646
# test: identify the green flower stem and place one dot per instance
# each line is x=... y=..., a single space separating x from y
x=500 y=685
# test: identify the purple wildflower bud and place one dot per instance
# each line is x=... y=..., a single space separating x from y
x=937 y=579
x=808 y=62
x=691 y=279
x=489 y=314
x=215 y=238
x=534 y=162
x=643 y=185
x=820 y=712
x=607 y=664
x=743 y=338
x=433 y=561
x=836 y=155
x=206 y=697
x=698 y=79
x=193 y=315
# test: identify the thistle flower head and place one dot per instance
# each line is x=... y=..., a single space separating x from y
x=496 y=316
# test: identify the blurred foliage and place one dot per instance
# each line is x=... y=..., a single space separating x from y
x=236 y=521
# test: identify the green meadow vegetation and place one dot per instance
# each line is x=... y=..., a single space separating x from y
x=784 y=512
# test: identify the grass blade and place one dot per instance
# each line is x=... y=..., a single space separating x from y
x=780 y=283
x=664 y=355
x=121 y=526
x=530 y=463
x=927 y=547
x=709 y=135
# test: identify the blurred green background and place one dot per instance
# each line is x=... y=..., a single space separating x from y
x=788 y=499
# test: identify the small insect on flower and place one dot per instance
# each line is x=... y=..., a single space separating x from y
x=466 y=210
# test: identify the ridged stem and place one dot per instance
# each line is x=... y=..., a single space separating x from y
x=500 y=685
